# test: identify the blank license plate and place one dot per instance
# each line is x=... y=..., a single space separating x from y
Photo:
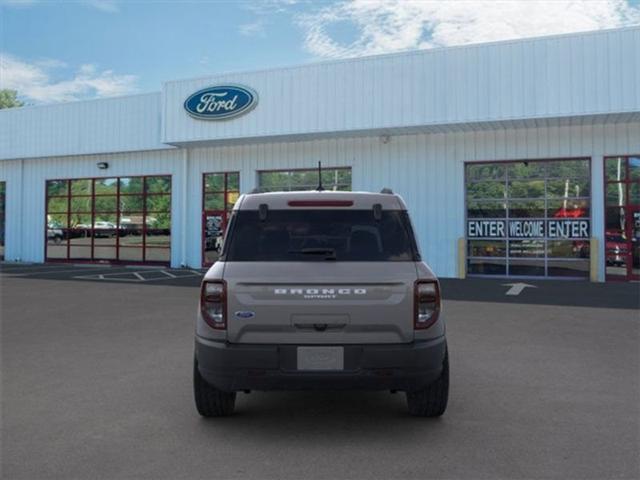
x=320 y=358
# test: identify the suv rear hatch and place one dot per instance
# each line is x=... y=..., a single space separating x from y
x=320 y=276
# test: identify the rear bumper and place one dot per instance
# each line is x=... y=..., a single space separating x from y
x=233 y=367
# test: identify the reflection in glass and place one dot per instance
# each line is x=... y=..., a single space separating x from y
x=526 y=267
x=158 y=203
x=526 y=248
x=539 y=190
x=81 y=204
x=105 y=252
x=568 y=168
x=158 y=184
x=158 y=255
x=487 y=266
x=616 y=194
x=526 y=169
x=615 y=169
x=487 y=248
x=106 y=204
x=634 y=168
x=634 y=193
x=568 y=188
x=488 y=209
x=131 y=204
x=526 y=189
x=485 y=190
x=57 y=187
x=131 y=237
x=214 y=201
x=332 y=179
x=80 y=252
x=57 y=204
x=214 y=182
x=131 y=185
x=81 y=187
x=569 y=208
x=568 y=248
x=106 y=186
x=526 y=209
x=233 y=181
x=56 y=244
x=158 y=238
x=131 y=254
x=489 y=171
x=99 y=218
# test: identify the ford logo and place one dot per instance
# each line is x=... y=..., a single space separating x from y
x=221 y=102
x=245 y=314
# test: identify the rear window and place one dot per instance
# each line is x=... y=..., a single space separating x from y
x=320 y=235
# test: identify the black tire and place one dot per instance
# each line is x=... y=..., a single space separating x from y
x=432 y=400
x=211 y=402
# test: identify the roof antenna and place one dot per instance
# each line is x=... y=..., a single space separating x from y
x=320 y=187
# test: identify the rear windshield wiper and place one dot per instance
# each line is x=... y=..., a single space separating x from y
x=329 y=252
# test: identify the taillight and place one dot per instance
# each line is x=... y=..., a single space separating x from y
x=213 y=304
x=427 y=303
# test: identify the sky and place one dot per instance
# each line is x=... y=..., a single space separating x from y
x=57 y=51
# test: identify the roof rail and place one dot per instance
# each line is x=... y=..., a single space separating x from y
x=387 y=191
x=255 y=190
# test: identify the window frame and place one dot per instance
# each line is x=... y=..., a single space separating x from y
x=628 y=206
x=302 y=169
x=507 y=179
x=66 y=229
x=225 y=212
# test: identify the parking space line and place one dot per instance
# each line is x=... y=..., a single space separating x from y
x=140 y=277
x=46 y=271
x=171 y=275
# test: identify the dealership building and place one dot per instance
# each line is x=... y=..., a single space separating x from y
x=516 y=159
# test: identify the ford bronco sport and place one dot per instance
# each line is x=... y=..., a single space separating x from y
x=320 y=290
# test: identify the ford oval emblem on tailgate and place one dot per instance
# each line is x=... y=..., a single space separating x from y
x=245 y=314
x=220 y=102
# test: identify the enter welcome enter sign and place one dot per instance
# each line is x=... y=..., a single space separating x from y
x=569 y=229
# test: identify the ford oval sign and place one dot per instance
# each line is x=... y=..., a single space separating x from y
x=221 y=102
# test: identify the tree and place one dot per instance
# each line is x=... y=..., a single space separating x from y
x=9 y=99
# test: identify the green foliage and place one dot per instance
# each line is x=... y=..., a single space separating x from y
x=9 y=99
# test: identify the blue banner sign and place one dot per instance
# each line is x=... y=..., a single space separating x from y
x=221 y=102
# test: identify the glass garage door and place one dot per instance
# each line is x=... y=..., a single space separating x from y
x=528 y=218
x=622 y=217
x=2 y=222
x=304 y=179
x=220 y=191
x=120 y=219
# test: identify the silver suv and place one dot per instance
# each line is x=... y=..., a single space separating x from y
x=320 y=290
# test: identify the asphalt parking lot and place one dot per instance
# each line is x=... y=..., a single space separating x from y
x=96 y=383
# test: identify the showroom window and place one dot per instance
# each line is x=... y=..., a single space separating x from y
x=528 y=218
x=220 y=191
x=3 y=187
x=119 y=219
x=304 y=179
x=622 y=217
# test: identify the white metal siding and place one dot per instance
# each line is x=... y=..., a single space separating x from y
x=426 y=169
x=562 y=76
x=26 y=206
x=97 y=126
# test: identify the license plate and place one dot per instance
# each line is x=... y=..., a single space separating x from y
x=320 y=358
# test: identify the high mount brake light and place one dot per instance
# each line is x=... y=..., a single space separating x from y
x=320 y=203
x=426 y=303
x=213 y=304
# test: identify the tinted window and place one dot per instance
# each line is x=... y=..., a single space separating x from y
x=320 y=235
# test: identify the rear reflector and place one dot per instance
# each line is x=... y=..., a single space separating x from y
x=320 y=203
